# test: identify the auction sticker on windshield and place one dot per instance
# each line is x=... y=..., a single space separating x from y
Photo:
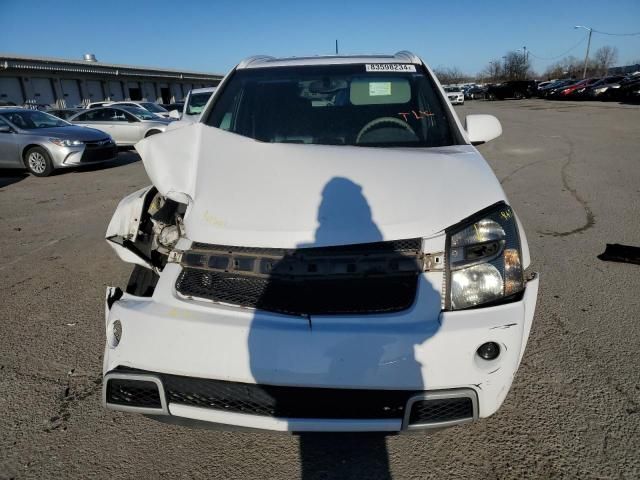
x=390 y=67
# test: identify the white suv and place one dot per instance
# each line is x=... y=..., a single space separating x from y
x=326 y=250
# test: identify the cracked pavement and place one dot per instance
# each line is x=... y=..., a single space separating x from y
x=572 y=172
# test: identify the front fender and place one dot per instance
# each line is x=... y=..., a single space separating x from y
x=124 y=227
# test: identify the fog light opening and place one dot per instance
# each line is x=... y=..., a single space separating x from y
x=489 y=351
x=115 y=333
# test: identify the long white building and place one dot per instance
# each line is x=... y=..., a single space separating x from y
x=59 y=82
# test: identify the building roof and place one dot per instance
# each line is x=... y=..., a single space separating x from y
x=21 y=62
x=265 y=61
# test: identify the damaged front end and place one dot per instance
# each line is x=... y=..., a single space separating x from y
x=261 y=307
x=144 y=230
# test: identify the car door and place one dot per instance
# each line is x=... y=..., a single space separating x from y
x=9 y=147
x=92 y=118
x=116 y=123
x=129 y=127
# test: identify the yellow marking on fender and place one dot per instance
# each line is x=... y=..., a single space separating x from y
x=213 y=220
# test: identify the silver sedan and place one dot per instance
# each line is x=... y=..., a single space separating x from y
x=127 y=125
x=41 y=142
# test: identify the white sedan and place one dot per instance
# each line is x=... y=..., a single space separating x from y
x=455 y=95
x=326 y=250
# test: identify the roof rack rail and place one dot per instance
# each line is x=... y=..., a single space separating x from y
x=254 y=58
x=412 y=57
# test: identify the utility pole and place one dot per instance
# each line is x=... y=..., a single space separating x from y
x=586 y=57
x=336 y=46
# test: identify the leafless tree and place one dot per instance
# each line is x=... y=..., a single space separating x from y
x=566 y=68
x=492 y=72
x=604 y=58
x=449 y=76
x=516 y=66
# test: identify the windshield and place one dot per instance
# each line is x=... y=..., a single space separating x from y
x=452 y=89
x=197 y=101
x=141 y=113
x=334 y=105
x=33 y=119
x=153 y=107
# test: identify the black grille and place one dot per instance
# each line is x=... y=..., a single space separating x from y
x=285 y=402
x=441 y=410
x=133 y=393
x=406 y=245
x=96 y=153
x=364 y=278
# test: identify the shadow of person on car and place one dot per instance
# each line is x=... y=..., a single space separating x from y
x=347 y=343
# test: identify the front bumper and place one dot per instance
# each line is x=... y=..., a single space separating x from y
x=414 y=351
x=81 y=155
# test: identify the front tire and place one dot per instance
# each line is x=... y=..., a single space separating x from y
x=38 y=162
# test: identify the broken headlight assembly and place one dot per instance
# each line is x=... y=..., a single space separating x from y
x=484 y=259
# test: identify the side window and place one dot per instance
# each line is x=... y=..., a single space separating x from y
x=113 y=115
x=224 y=115
x=96 y=115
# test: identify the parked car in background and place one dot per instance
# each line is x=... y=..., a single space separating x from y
x=97 y=104
x=287 y=274
x=629 y=90
x=127 y=125
x=475 y=92
x=41 y=143
x=64 y=113
x=195 y=103
x=541 y=85
x=573 y=90
x=455 y=95
x=551 y=88
x=511 y=89
x=148 y=106
x=596 y=90
x=173 y=106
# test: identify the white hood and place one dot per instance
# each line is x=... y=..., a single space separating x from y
x=248 y=193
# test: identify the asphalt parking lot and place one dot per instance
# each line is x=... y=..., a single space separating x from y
x=572 y=172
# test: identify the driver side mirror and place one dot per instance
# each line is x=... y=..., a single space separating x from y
x=175 y=114
x=482 y=128
x=5 y=129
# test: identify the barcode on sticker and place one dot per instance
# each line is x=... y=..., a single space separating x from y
x=390 y=67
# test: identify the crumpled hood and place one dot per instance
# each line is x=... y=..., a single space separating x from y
x=250 y=193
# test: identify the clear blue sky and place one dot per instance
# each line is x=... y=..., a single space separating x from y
x=213 y=36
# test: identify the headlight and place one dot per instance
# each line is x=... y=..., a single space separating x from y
x=600 y=90
x=65 y=143
x=484 y=259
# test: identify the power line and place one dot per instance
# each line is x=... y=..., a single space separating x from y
x=563 y=53
x=618 y=34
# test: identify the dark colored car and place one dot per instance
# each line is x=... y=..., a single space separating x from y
x=630 y=90
x=551 y=89
x=511 y=89
x=64 y=113
x=595 y=91
x=475 y=92
x=616 y=91
x=574 y=90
